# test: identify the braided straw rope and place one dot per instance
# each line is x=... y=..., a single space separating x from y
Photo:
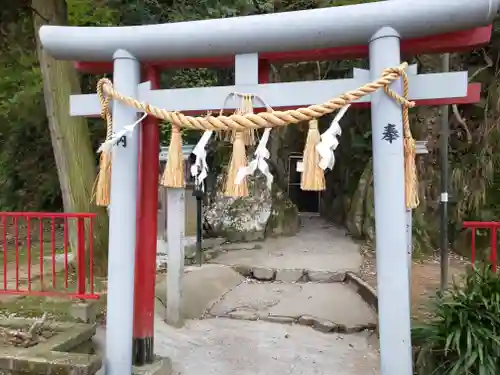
x=242 y=122
x=102 y=186
x=262 y=119
x=411 y=179
x=105 y=112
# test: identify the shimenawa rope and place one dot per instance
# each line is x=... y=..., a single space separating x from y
x=262 y=119
x=102 y=187
x=411 y=179
x=242 y=122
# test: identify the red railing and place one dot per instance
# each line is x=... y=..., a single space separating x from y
x=37 y=254
x=493 y=227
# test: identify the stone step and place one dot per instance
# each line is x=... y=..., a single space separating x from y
x=201 y=288
x=290 y=275
x=327 y=307
x=315 y=254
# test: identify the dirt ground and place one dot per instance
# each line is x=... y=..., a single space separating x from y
x=426 y=277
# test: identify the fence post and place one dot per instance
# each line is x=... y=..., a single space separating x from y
x=80 y=256
x=493 y=244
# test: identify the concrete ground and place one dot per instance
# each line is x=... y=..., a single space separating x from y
x=319 y=246
x=202 y=287
x=299 y=318
x=329 y=304
x=227 y=347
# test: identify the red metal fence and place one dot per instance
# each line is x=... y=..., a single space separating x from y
x=38 y=258
x=492 y=227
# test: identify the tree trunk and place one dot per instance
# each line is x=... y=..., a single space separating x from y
x=76 y=163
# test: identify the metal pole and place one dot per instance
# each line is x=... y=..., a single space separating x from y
x=198 y=193
x=147 y=228
x=122 y=223
x=390 y=213
x=443 y=153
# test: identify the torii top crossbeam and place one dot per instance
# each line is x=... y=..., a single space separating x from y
x=309 y=29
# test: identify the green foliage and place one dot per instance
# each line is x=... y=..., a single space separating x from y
x=91 y=13
x=28 y=178
x=464 y=335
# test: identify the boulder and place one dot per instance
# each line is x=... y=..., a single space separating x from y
x=263 y=213
x=357 y=213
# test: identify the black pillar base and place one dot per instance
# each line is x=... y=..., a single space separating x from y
x=142 y=351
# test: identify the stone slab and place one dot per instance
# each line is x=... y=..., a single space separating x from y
x=318 y=246
x=361 y=287
x=336 y=302
x=261 y=273
x=51 y=356
x=85 y=312
x=326 y=276
x=201 y=288
x=231 y=246
x=161 y=366
x=206 y=243
x=289 y=276
x=257 y=297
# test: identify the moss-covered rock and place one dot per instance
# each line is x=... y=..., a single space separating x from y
x=284 y=219
x=356 y=214
x=369 y=215
x=251 y=218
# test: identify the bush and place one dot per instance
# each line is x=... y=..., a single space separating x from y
x=463 y=337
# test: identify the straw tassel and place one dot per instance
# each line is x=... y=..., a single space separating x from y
x=103 y=186
x=102 y=190
x=236 y=187
x=173 y=176
x=246 y=106
x=238 y=160
x=411 y=179
x=313 y=177
x=410 y=153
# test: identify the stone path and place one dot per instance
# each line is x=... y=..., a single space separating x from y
x=326 y=307
x=224 y=347
x=292 y=311
x=227 y=347
x=319 y=246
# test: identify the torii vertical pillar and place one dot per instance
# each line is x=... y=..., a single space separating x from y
x=390 y=213
x=122 y=222
x=147 y=227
